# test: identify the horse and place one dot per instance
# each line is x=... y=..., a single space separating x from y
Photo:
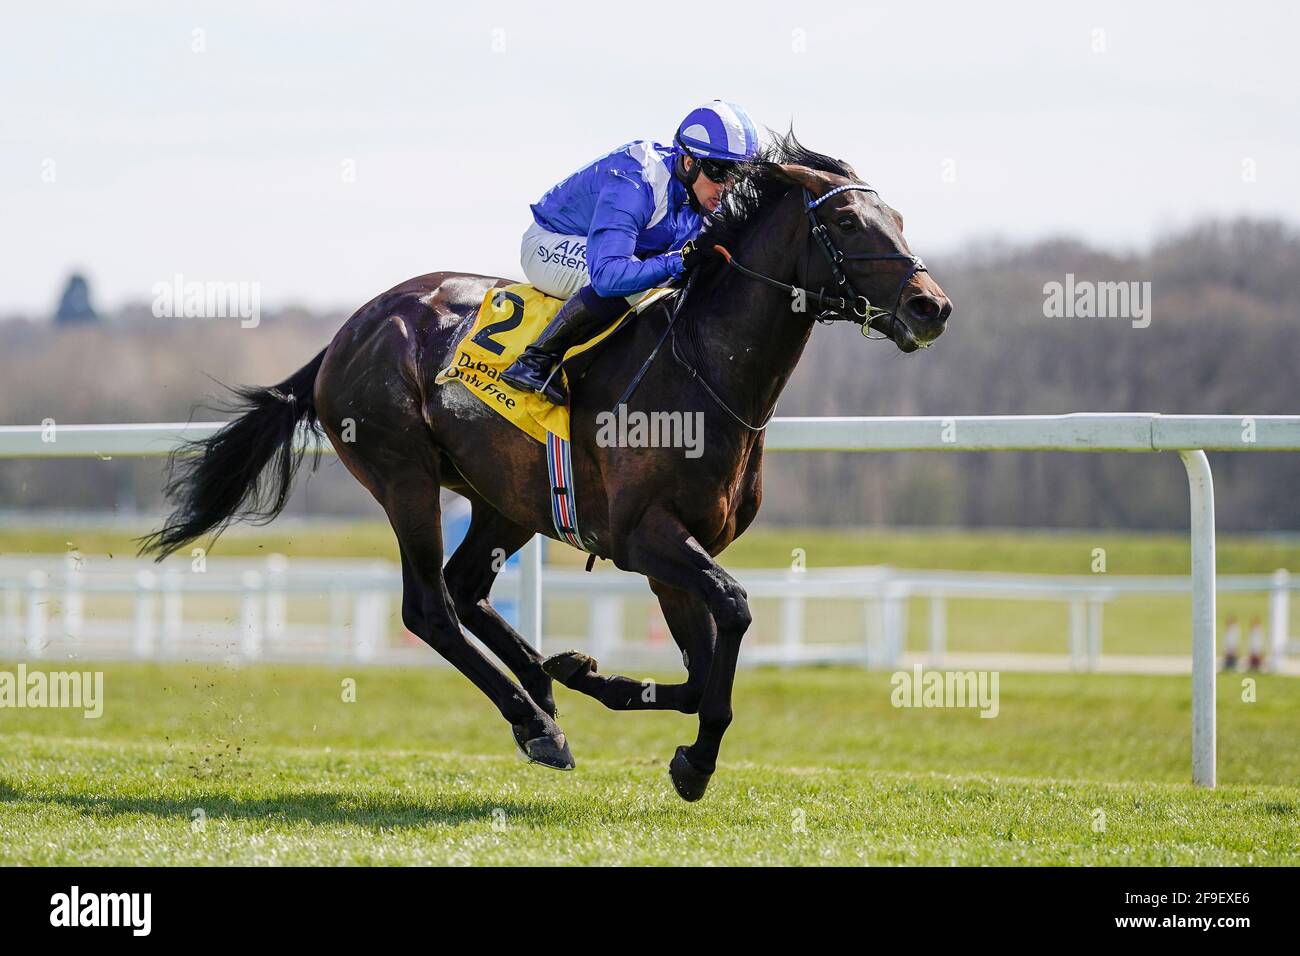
x=800 y=221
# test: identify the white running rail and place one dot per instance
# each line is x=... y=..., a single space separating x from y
x=1191 y=436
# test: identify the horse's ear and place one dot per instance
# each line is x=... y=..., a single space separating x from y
x=815 y=182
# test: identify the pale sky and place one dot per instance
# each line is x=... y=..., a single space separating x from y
x=973 y=120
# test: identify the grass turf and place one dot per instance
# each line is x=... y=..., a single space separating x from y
x=204 y=764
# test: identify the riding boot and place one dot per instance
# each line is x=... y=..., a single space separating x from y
x=535 y=370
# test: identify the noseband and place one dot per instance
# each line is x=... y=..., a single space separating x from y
x=850 y=305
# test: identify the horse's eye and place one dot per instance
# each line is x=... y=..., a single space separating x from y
x=847 y=223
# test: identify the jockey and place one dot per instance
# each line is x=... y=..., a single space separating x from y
x=621 y=226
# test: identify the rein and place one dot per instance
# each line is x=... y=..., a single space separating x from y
x=695 y=373
x=717 y=399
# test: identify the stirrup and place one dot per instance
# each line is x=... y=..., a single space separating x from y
x=553 y=389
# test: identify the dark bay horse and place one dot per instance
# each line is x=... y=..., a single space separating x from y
x=801 y=222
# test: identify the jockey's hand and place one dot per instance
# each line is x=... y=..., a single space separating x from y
x=695 y=255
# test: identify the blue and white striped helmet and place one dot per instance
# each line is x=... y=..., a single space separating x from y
x=719 y=130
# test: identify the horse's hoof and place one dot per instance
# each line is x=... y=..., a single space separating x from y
x=552 y=751
x=568 y=667
x=690 y=783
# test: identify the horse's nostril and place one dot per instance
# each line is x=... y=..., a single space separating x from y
x=927 y=308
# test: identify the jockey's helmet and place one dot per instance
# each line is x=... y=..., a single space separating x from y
x=717 y=136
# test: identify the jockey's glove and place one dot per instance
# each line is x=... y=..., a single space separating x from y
x=695 y=255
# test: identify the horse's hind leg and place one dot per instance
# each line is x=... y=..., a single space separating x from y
x=691 y=626
x=473 y=568
x=411 y=500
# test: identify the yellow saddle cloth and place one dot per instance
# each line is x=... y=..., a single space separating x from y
x=510 y=319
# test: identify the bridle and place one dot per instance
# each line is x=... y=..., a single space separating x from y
x=834 y=308
x=838 y=308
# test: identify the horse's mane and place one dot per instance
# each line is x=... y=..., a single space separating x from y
x=762 y=186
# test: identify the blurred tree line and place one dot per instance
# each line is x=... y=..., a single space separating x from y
x=1222 y=340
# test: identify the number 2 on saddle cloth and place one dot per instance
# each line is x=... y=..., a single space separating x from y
x=509 y=319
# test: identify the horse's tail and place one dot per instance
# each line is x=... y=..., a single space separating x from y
x=244 y=471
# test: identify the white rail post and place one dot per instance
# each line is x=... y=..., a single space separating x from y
x=73 y=601
x=1078 y=629
x=338 y=623
x=13 y=630
x=381 y=604
x=142 y=636
x=363 y=630
x=277 y=566
x=938 y=630
x=1279 y=610
x=173 y=611
x=1201 y=489
x=791 y=621
x=250 y=617
x=604 y=624
x=530 y=591
x=895 y=623
x=370 y=617
x=1095 y=609
x=38 y=612
x=873 y=628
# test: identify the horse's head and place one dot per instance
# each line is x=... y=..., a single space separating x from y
x=855 y=236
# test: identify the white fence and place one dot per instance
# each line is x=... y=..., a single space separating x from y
x=232 y=609
x=1188 y=435
x=323 y=610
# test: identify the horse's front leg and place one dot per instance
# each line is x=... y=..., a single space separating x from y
x=663 y=549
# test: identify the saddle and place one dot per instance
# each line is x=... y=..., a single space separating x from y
x=508 y=320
